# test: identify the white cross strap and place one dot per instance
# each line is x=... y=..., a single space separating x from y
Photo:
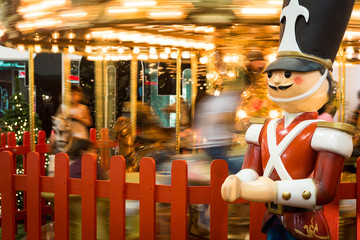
x=276 y=151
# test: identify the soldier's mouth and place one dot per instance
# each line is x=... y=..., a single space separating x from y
x=280 y=87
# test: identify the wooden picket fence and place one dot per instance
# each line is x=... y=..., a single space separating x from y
x=147 y=192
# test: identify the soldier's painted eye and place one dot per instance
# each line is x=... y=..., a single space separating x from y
x=269 y=74
x=287 y=74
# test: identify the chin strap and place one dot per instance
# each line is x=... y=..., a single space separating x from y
x=304 y=95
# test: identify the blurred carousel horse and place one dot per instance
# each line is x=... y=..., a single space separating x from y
x=153 y=141
x=60 y=140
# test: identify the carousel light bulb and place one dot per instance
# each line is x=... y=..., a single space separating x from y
x=143 y=57
x=55 y=35
x=274 y=114
x=55 y=48
x=152 y=50
x=231 y=74
x=216 y=93
x=71 y=35
x=88 y=36
x=71 y=49
x=37 y=48
x=88 y=49
x=173 y=55
x=241 y=114
x=154 y=56
x=167 y=50
x=136 y=50
x=2 y=32
x=104 y=50
x=121 y=50
x=203 y=60
x=227 y=59
x=164 y=55
x=185 y=54
x=21 y=47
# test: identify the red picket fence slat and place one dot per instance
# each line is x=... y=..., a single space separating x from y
x=117 y=198
x=179 y=200
x=61 y=208
x=147 y=199
x=218 y=207
x=8 y=198
x=88 y=197
x=33 y=196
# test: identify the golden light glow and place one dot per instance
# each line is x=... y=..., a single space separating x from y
x=43 y=23
x=274 y=2
x=2 y=32
x=55 y=35
x=37 y=48
x=31 y=15
x=258 y=11
x=173 y=55
x=241 y=114
x=167 y=50
x=88 y=49
x=166 y=14
x=164 y=55
x=143 y=57
x=136 y=50
x=21 y=47
x=121 y=50
x=154 y=56
x=74 y=14
x=203 y=60
x=71 y=49
x=274 y=114
x=115 y=10
x=152 y=50
x=140 y=3
x=216 y=93
x=71 y=35
x=185 y=54
x=45 y=4
x=231 y=74
x=55 y=48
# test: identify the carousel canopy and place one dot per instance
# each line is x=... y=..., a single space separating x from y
x=118 y=27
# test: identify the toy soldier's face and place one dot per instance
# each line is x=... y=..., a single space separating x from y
x=283 y=86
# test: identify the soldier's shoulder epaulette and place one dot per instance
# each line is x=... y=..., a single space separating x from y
x=257 y=120
x=345 y=127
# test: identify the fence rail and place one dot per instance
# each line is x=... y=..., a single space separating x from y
x=117 y=190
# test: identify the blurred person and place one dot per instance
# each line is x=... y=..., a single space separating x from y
x=354 y=117
x=214 y=120
x=79 y=113
x=255 y=101
x=78 y=149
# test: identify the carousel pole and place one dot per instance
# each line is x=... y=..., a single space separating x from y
x=343 y=72
x=341 y=94
x=194 y=81
x=31 y=98
x=133 y=94
x=66 y=85
x=178 y=101
x=99 y=103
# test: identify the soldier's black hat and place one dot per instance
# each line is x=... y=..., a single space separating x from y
x=310 y=33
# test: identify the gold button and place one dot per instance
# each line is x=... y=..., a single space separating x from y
x=306 y=195
x=286 y=195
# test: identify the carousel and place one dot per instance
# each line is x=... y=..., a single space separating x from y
x=202 y=46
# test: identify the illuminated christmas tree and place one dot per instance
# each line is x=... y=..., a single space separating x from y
x=16 y=119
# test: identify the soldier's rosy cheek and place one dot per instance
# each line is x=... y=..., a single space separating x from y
x=298 y=80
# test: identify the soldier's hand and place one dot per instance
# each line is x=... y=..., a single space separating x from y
x=230 y=190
